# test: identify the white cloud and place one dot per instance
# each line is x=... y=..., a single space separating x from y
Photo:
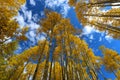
x=100 y=39
x=28 y=15
x=23 y=8
x=42 y=13
x=20 y=17
x=88 y=30
x=40 y=38
x=108 y=38
x=63 y=4
x=32 y=34
x=27 y=19
x=33 y=25
x=91 y=37
x=65 y=9
x=35 y=17
x=30 y=23
x=32 y=2
x=20 y=20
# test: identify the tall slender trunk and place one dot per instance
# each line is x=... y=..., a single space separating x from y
x=115 y=74
x=39 y=60
x=103 y=5
x=63 y=76
x=62 y=58
x=103 y=2
x=52 y=48
x=45 y=75
x=87 y=62
x=70 y=47
x=15 y=70
x=22 y=70
x=51 y=68
x=29 y=75
x=102 y=75
x=75 y=72
x=80 y=71
x=107 y=27
x=54 y=72
x=112 y=28
x=66 y=69
x=102 y=15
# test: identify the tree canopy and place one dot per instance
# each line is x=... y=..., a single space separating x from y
x=90 y=13
x=62 y=55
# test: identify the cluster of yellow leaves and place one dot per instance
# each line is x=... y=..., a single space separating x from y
x=49 y=23
x=89 y=13
x=57 y=71
x=72 y=59
x=8 y=26
x=72 y=2
x=111 y=59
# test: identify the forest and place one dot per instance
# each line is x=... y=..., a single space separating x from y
x=61 y=55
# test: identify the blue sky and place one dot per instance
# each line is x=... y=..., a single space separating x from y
x=33 y=10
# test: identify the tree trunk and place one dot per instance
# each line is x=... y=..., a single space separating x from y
x=103 y=2
x=22 y=71
x=51 y=68
x=39 y=60
x=45 y=75
x=101 y=15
